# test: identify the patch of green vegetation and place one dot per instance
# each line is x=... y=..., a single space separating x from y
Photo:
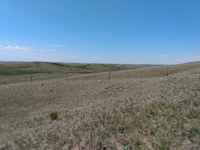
x=193 y=114
x=54 y=115
x=83 y=69
x=103 y=133
x=115 y=67
x=2 y=114
x=121 y=129
x=14 y=71
x=58 y=64
x=194 y=131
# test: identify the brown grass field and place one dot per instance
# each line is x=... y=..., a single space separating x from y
x=141 y=107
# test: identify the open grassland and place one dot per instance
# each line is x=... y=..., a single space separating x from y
x=136 y=109
x=12 y=72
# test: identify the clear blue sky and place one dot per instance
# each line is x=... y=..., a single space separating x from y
x=100 y=31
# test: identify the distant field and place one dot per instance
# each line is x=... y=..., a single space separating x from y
x=46 y=67
x=11 y=72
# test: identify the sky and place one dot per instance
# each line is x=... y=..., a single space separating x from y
x=100 y=31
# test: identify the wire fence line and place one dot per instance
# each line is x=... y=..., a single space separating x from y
x=36 y=77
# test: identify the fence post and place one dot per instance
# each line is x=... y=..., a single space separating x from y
x=109 y=75
x=67 y=76
x=167 y=71
x=31 y=78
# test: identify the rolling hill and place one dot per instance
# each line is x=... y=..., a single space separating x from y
x=136 y=109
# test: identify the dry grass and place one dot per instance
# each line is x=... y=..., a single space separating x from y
x=12 y=72
x=128 y=113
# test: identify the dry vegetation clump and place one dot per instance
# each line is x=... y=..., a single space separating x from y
x=150 y=113
x=54 y=115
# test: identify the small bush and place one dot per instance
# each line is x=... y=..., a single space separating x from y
x=193 y=132
x=54 y=115
x=121 y=130
x=103 y=133
x=126 y=148
x=193 y=114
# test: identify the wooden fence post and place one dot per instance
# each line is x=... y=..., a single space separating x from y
x=167 y=71
x=109 y=75
x=31 y=78
x=67 y=76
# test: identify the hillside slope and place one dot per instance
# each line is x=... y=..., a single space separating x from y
x=11 y=72
x=130 y=113
x=17 y=68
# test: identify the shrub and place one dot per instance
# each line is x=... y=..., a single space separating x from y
x=103 y=133
x=193 y=114
x=193 y=132
x=121 y=130
x=54 y=115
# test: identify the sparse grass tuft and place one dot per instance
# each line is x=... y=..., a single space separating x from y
x=103 y=134
x=193 y=114
x=54 y=115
